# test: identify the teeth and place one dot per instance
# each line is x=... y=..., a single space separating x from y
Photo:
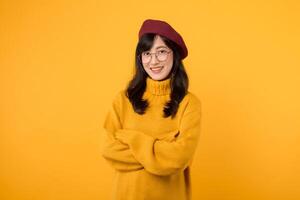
x=156 y=68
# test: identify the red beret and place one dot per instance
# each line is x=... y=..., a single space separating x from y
x=163 y=28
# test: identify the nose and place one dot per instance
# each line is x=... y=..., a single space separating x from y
x=153 y=59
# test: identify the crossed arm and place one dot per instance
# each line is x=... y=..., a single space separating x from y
x=130 y=150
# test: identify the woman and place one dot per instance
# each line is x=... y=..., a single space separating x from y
x=153 y=126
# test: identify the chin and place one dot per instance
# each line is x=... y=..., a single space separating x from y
x=158 y=77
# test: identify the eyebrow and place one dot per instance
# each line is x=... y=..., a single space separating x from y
x=161 y=47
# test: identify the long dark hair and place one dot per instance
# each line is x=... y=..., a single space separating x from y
x=179 y=79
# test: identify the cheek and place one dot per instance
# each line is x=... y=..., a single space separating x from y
x=145 y=68
x=169 y=65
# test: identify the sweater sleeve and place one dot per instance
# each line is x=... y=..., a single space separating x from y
x=167 y=156
x=116 y=153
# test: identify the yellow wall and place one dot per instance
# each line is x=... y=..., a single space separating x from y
x=62 y=62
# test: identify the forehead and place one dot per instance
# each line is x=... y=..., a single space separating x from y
x=158 y=43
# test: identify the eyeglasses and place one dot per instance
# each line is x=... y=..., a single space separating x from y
x=161 y=55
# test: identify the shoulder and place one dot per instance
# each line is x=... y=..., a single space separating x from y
x=191 y=103
x=192 y=99
x=119 y=95
x=120 y=98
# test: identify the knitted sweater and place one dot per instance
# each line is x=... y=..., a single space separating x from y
x=151 y=154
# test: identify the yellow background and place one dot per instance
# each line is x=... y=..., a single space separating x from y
x=62 y=62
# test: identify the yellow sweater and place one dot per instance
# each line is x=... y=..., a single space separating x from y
x=151 y=155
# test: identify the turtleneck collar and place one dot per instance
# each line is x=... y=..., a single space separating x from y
x=158 y=88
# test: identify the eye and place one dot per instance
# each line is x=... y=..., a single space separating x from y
x=162 y=51
x=146 y=53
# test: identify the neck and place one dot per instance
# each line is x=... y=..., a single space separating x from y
x=158 y=87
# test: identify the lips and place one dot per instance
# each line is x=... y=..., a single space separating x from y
x=156 y=69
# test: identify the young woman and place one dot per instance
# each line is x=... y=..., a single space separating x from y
x=153 y=126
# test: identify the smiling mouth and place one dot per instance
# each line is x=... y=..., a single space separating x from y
x=156 y=69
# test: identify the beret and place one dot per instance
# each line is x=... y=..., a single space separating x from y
x=163 y=28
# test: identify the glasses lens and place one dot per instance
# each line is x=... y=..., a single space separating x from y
x=162 y=55
x=146 y=56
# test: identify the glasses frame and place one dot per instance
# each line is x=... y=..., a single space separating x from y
x=156 y=54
